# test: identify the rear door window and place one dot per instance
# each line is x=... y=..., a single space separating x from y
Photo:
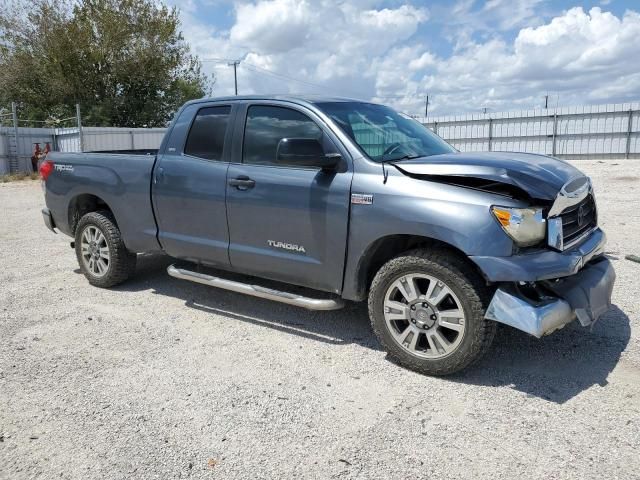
x=208 y=130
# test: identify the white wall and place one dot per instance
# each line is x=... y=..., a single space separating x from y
x=68 y=140
x=590 y=131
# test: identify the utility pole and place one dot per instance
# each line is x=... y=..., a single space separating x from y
x=426 y=109
x=235 y=64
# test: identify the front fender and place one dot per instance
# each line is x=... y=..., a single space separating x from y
x=453 y=215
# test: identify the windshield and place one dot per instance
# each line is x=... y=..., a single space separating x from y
x=382 y=133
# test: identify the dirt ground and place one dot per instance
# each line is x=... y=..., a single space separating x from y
x=162 y=378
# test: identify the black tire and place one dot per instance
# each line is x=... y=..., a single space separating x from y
x=470 y=290
x=122 y=263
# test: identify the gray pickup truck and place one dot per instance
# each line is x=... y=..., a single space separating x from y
x=352 y=201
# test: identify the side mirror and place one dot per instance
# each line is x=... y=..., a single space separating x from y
x=305 y=152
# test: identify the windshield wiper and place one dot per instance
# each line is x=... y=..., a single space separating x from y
x=383 y=162
x=406 y=156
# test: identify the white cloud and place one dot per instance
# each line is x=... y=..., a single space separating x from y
x=423 y=61
x=470 y=17
x=405 y=17
x=329 y=43
x=272 y=26
x=581 y=57
x=581 y=42
x=507 y=14
x=364 y=50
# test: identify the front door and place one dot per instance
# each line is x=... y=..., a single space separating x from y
x=189 y=187
x=287 y=222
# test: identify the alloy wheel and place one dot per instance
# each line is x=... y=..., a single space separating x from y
x=424 y=316
x=95 y=251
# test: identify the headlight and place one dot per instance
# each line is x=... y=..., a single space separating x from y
x=525 y=226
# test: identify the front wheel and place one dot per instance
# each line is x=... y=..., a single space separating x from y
x=427 y=309
x=102 y=255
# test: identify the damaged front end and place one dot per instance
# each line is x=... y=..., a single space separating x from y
x=559 y=272
x=540 y=308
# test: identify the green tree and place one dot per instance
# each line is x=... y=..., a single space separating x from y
x=125 y=61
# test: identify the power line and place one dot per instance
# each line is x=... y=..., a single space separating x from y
x=257 y=69
x=217 y=60
x=264 y=71
x=261 y=70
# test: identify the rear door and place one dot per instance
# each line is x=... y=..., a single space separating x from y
x=189 y=185
x=286 y=222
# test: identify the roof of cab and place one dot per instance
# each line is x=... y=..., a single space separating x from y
x=315 y=99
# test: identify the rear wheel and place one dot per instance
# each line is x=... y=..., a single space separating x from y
x=101 y=253
x=427 y=309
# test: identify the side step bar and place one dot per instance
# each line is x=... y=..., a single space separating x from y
x=256 y=290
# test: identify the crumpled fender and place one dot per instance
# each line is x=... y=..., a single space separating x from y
x=538 y=176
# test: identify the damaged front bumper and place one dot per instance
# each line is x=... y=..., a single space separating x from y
x=543 y=264
x=585 y=296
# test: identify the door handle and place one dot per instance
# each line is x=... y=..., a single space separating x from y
x=242 y=182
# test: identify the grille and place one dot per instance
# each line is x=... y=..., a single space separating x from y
x=578 y=219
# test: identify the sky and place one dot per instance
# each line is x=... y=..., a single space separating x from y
x=466 y=55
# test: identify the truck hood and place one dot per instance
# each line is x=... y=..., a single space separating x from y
x=515 y=174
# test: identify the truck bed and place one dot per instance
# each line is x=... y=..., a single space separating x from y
x=138 y=151
x=121 y=180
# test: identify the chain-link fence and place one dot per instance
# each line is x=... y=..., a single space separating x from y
x=19 y=139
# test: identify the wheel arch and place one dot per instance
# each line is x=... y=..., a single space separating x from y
x=82 y=204
x=383 y=249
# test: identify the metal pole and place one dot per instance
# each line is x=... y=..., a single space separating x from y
x=14 y=115
x=426 y=110
x=490 y=132
x=555 y=133
x=235 y=73
x=80 y=133
x=235 y=77
x=629 y=125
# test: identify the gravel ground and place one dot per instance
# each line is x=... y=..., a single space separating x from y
x=162 y=378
